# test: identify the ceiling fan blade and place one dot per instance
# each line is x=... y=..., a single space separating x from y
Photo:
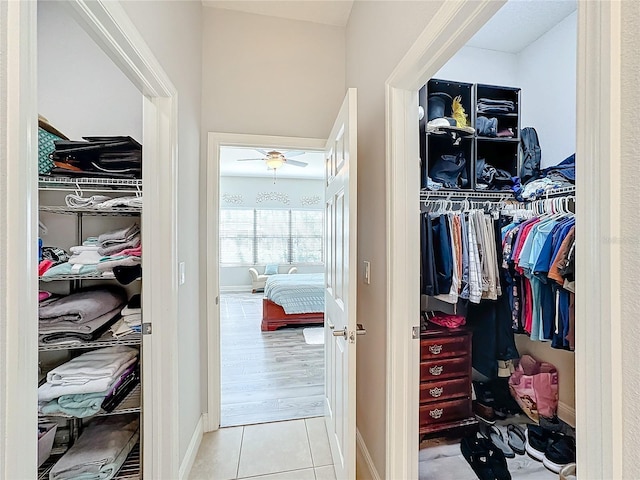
x=294 y=154
x=263 y=152
x=296 y=163
x=249 y=159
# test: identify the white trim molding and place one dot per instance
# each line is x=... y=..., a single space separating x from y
x=18 y=241
x=364 y=460
x=452 y=26
x=192 y=450
x=214 y=142
x=598 y=350
x=113 y=32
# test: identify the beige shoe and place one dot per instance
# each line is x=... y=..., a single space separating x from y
x=568 y=472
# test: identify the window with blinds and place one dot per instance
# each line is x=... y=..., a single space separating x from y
x=249 y=237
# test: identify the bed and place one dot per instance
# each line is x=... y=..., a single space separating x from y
x=293 y=300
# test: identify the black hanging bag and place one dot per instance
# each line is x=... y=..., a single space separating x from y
x=531 y=155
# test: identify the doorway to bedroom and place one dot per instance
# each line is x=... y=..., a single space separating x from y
x=271 y=283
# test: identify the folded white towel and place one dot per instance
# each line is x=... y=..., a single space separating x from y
x=130 y=311
x=77 y=201
x=120 y=329
x=133 y=320
x=131 y=202
x=48 y=391
x=84 y=248
x=96 y=364
x=91 y=257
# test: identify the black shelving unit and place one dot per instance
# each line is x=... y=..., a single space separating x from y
x=500 y=152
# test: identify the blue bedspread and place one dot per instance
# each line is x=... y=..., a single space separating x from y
x=297 y=293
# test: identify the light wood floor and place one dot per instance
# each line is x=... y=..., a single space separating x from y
x=265 y=376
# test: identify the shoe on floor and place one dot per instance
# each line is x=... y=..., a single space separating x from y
x=537 y=441
x=560 y=453
x=476 y=452
x=568 y=472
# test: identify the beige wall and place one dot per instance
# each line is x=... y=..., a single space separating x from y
x=173 y=32
x=378 y=36
x=630 y=281
x=266 y=76
x=270 y=76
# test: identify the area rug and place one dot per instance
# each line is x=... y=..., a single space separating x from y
x=313 y=336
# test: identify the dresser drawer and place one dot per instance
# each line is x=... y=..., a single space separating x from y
x=445 y=368
x=440 y=390
x=444 y=347
x=442 y=412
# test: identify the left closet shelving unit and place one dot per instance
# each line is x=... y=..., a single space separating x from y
x=68 y=226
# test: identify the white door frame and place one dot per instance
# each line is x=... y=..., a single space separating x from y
x=598 y=362
x=215 y=140
x=113 y=31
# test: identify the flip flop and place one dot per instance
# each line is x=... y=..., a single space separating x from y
x=495 y=435
x=516 y=438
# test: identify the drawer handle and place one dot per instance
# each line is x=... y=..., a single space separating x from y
x=436 y=370
x=436 y=413
x=436 y=391
x=435 y=349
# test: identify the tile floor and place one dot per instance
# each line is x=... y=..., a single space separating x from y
x=290 y=450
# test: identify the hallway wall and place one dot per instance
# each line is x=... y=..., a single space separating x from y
x=378 y=36
x=179 y=55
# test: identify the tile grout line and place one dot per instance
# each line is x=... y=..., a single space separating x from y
x=278 y=473
x=240 y=452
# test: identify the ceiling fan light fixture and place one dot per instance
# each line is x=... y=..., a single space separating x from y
x=274 y=162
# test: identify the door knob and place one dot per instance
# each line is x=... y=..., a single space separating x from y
x=360 y=330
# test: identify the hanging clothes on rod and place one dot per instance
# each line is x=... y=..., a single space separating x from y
x=460 y=253
x=538 y=255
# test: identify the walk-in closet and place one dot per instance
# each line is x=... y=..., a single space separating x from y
x=91 y=325
x=497 y=226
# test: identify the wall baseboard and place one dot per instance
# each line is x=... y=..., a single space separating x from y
x=364 y=460
x=192 y=450
x=236 y=288
x=567 y=414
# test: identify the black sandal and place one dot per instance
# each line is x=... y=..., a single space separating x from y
x=477 y=453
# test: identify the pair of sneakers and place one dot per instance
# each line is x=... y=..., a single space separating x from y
x=554 y=449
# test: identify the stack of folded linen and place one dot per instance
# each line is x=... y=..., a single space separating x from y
x=118 y=249
x=80 y=386
x=100 y=450
x=102 y=202
x=131 y=320
x=80 y=316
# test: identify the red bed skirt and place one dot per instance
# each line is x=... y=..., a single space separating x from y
x=273 y=317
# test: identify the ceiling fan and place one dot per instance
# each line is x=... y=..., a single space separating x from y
x=275 y=159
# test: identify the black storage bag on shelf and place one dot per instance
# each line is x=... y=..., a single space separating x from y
x=531 y=155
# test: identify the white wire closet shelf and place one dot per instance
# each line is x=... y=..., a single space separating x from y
x=107 y=212
x=89 y=184
x=82 y=276
x=106 y=340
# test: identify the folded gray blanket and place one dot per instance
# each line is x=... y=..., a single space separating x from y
x=83 y=306
x=100 y=451
x=119 y=236
x=82 y=327
x=107 y=250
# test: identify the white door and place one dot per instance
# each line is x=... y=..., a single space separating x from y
x=340 y=293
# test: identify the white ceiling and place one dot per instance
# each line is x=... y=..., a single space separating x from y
x=329 y=12
x=521 y=22
x=229 y=165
